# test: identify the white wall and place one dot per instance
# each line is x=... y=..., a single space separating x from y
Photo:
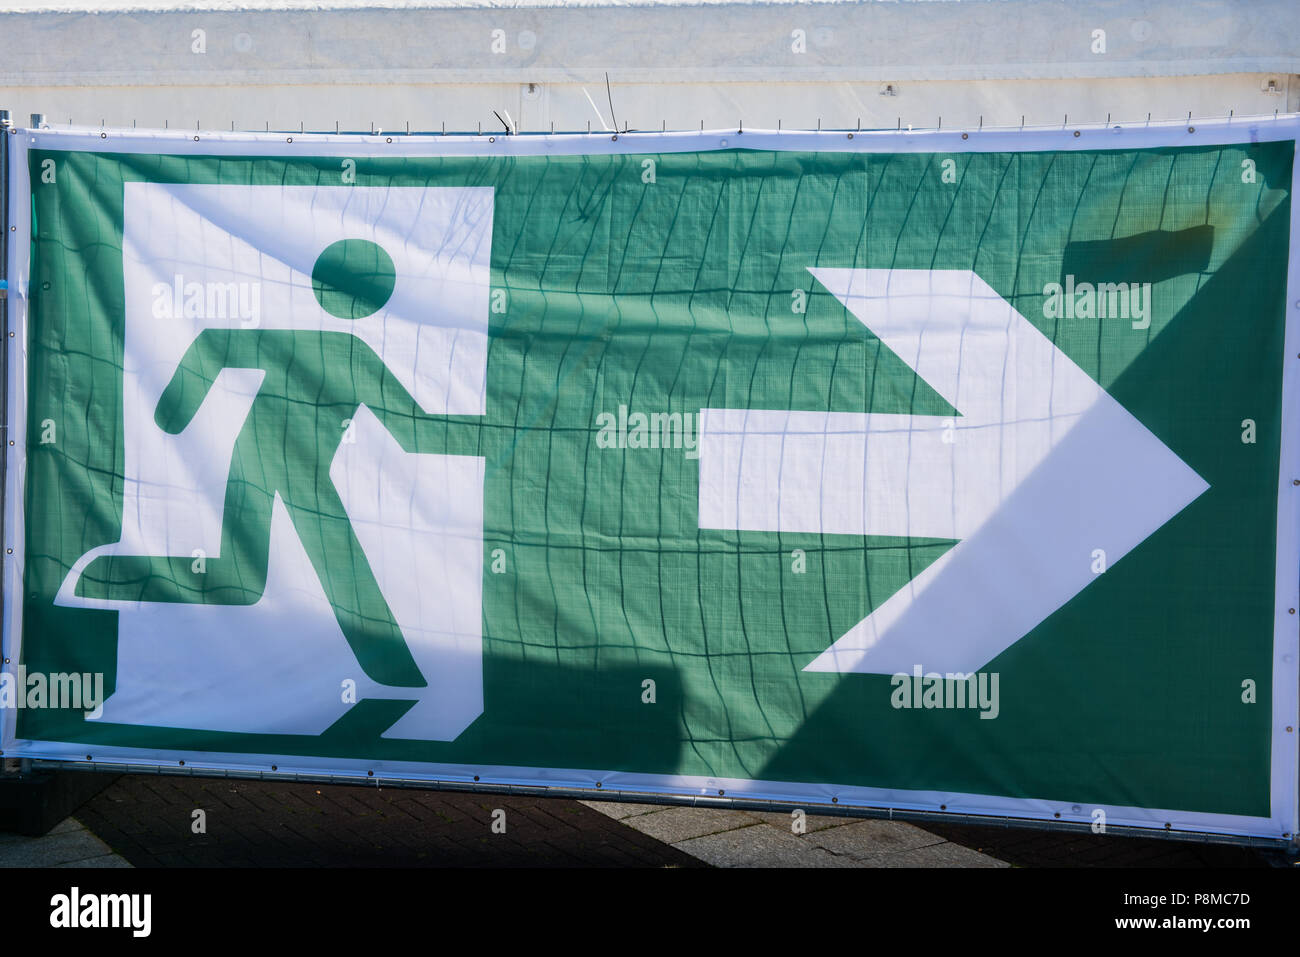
x=673 y=64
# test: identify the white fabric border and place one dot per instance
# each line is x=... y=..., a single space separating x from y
x=1285 y=752
x=15 y=531
x=811 y=797
x=1192 y=132
x=1284 y=819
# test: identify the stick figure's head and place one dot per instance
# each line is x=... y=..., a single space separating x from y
x=353 y=278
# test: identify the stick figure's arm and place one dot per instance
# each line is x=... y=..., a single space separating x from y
x=415 y=431
x=385 y=396
x=211 y=351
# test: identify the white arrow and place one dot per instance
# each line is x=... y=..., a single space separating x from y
x=1039 y=471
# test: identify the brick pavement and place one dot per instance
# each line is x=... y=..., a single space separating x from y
x=148 y=821
x=1027 y=847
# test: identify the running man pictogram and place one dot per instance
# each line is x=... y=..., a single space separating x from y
x=315 y=381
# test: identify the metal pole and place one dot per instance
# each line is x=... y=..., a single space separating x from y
x=5 y=124
x=6 y=131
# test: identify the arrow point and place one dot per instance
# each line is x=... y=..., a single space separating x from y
x=1071 y=472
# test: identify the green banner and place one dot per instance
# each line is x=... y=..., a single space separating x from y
x=899 y=471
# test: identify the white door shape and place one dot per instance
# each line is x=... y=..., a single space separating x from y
x=282 y=665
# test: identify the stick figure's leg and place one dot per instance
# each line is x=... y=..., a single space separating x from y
x=237 y=576
x=364 y=616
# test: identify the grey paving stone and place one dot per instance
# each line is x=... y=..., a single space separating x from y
x=106 y=860
x=620 y=811
x=866 y=839
x=727 y=838
x=53 y=849
x=761 y=845
x=812 y=822
x=945 y=854
x=676 y=824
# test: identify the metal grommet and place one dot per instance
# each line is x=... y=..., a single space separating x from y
x=370 y=774
x=965 y=136
x=614 y=138
x=273 y=767
x=103 y=136
x=1076 y=132
x=835 y=800
x=196 y=139
x=1295 y=481
x=597 y=785
x=1057 y=815
x=476 y=777
x=89 y=758
x=943 y=807
x=850 y=136
x=288 y=139
x=9 y=551
x=1288 y=729
x=492 y=139
x=720 y=793
x=182 y=764
x=388 y=139
x=1168 y=825
x=1191 y=129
